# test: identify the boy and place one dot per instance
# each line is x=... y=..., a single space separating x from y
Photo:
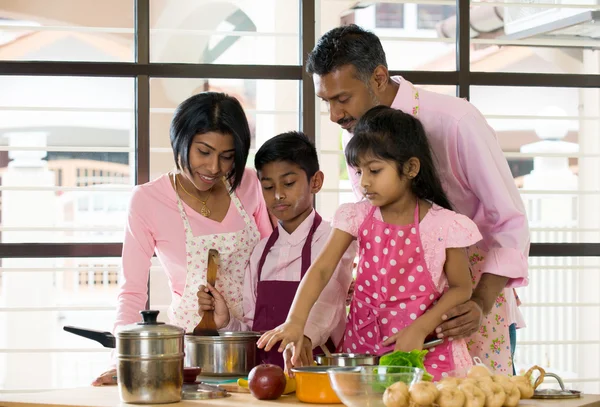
x=288 y=169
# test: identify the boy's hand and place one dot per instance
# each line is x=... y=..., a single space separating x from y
x=306 y=356
x=209 y=299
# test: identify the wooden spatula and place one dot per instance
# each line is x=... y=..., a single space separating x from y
x=206 y=326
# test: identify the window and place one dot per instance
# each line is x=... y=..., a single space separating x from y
x=225 y=32
x=429 y=15
x=561 y=198
x=75 y=139
x=69 y=142
x=71 y=30
x=267 y=117
x=389 y=15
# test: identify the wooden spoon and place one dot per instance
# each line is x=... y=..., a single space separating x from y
x=325 y=350
x=207 y=326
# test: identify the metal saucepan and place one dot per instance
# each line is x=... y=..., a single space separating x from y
x=358 y=359
x=229 y=354
x=150 y=359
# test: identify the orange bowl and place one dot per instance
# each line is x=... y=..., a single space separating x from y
x=313 y=386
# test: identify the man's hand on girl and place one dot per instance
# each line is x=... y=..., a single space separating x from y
x=209 y=299
x=461 y=321
x=287 y=333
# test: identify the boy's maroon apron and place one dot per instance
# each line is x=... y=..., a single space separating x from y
x=274 y=298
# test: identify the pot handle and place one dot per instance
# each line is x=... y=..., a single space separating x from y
x=106 y=339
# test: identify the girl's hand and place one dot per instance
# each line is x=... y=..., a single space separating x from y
x=306 y=356
x=409 y=339
x=287 y=333
x=209 y=299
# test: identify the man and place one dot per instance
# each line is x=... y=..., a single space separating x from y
x=350 y=74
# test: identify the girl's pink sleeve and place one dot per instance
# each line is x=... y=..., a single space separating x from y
x=350 y=216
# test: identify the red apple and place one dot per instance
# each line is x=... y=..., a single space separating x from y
x=266 y=382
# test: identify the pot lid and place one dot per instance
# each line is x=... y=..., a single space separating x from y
x=150 y=328
x=202 y=391
x=554 y=393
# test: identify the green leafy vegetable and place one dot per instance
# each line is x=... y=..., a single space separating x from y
x=415 y=358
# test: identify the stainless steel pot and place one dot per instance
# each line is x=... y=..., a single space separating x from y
x=347 y=359
x=149 y=359
x=358 y=359
x=229 y=354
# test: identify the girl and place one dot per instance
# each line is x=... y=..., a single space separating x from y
x=413 y=267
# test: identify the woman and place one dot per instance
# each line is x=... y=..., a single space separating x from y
x=211 y=202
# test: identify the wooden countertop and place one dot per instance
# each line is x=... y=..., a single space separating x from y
x=109 y=396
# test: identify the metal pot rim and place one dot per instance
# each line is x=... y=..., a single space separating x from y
x=335 y=356
x=223 y=337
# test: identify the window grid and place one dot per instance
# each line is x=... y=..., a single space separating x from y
x=142 y=70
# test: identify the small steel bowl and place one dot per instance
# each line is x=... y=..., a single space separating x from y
x=347 y=360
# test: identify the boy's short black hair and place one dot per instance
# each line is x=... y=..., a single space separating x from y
x=291 y=146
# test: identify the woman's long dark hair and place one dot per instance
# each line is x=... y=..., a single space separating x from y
x=206 y=112
x=390 y=134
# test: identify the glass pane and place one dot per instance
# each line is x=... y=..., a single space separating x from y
x=246 y=32
x=336 y=188
x=67 y=30
x=534 y=37
x=550 y=137
x=409 y=32
x=160 y=293
x=272 y=107
x=564 y=291
x=67 y=142
x=80 y=292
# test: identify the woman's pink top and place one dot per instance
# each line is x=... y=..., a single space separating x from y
x=154 y=225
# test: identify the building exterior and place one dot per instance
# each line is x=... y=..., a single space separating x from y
x=69 y=143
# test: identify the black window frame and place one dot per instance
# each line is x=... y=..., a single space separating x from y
x=142 y=70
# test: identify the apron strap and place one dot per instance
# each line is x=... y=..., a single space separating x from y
x=272 y=239
x=238 y=204
x=184 y=218
x=307 y=248
x=416 y=220
x=364 y=222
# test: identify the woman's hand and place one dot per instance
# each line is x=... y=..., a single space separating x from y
x=408 y=339
x=106 y=378
x=287 y=333
x=209 y=299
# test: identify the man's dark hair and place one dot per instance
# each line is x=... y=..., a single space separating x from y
x=347 y=45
